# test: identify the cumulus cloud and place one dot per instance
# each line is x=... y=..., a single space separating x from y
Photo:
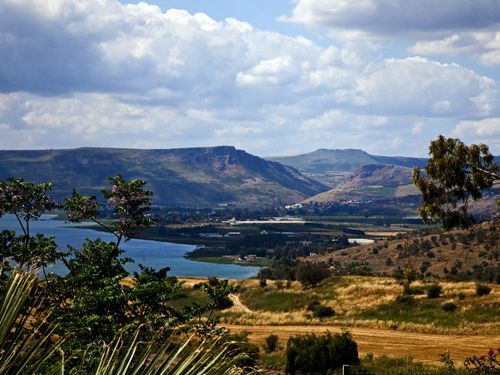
x=418 y=86
x=485 y=131
x=485 y=46
x=401 y=17
x=101 y=73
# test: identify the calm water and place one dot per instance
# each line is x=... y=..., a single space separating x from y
x=149 y=253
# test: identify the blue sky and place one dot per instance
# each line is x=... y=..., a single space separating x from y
x=273 y=77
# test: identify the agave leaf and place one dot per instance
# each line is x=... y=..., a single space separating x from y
x=167 y=356
x=22 y=349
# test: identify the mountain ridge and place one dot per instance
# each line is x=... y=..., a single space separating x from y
x=191 y=177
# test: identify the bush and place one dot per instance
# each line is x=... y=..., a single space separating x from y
x=405 y=299
x=449 y=307
x=482 y=290
x=271 y=344
x=323 y=312
x=461 y=296
x=434 y=291
x=314 y=305
x=320 y=354
x=311 y=274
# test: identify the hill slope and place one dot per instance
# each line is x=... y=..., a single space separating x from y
x=348 y=160
x=374 y=181
x=191 y=177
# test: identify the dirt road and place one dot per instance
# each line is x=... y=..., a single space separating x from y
x=237 y=303
x=422 y=347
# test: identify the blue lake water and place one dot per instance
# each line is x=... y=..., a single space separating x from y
x=149 y=253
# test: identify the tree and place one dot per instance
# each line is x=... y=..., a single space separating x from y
x=454 y=174
x=311 y=274
x=27 y=202
x=94 y=304
x=311 y=354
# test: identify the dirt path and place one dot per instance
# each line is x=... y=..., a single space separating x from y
x=422 y=347
x=237 y=304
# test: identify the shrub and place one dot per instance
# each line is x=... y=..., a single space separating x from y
x=320 y=354
x=449 y=307
x=271 y=344
x=279 y=284
x=461 y=296
x=488 y=364
x=482 y=290
x=314 y=305
x=434 y=291
x=323 y=312
x=405 y=299
x=311 y=274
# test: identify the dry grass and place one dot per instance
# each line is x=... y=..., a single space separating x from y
x=352 y=295
x=422 y=347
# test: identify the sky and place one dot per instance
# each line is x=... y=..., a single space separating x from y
x=272 y=77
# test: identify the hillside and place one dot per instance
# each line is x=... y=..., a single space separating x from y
x=458 y=254
x=371 y=182
x=190 y=177
x=332 y=167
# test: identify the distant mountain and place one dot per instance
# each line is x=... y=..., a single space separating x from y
x=373 y=181
x=348 y=160
x=190 y=177
x=332 y=167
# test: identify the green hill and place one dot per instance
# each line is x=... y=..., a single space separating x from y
x=190 y=177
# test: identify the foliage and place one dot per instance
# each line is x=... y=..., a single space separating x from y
x=218 y=291
x=24 y=347
x=94 y=301
x=434 y=291
x=127 y=200
x=449 y=307
x=271 y=343
x=323 y=312
x=488 y=364
x=454 y=174
x=320 y=354
x=482 y=290
x=27 y=202
x=311 y=274
x=174 y=354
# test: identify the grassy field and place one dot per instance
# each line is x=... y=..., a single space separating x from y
x=391 y=335
x=370 y=302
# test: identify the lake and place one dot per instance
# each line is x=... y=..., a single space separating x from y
x=149 y=253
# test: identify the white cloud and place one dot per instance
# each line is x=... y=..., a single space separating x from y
x=106 y=74
x=482 y=131
x=485 y=46
x=389 y=17
x=489 y=127
x=422 y=87
x=417 y=129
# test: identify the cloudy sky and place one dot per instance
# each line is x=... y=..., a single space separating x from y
x=273 y=77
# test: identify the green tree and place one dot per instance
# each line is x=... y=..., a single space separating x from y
x=311 y=274
x=455 y=174
x=27 y=202
x=311 y=354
